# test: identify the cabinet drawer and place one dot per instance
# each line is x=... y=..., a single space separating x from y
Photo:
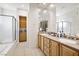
x=66 y=51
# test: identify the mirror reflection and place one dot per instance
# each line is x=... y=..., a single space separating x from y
x=66 y=17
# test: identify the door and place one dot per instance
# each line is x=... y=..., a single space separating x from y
x=22 y=28
x=54 y=48
x=41 y=42
x=66 y=51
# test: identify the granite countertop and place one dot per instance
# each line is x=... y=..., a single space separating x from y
x=68 y=42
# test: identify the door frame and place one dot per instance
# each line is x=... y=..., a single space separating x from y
x=26 y=27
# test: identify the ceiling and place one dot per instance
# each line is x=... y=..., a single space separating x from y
x=64 y=7
x=60 y=7
x=22 y=6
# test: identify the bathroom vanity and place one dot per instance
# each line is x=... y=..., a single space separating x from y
x=54 y=46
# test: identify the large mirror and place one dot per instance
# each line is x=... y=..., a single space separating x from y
x=68 y=18
x=43 y=25
x=64 y=27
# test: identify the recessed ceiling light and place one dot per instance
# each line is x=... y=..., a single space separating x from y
x=51 y=5
x=44 y=11
x=44 y=3
x=38 y=9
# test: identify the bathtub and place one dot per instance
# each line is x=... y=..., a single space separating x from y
x=5 y=47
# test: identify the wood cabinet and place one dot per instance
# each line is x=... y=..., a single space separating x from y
x=41 y=42
x=66 y=51
x=51 y=47
x=46 y=46
x=54 y=48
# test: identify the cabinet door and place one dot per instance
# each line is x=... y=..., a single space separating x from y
x=41 y=42
x=46 y=46
x=46 y=51
x=54 y=48
x=46 y=42
x=66 y=51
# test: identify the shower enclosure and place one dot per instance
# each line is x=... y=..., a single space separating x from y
x=7 y=28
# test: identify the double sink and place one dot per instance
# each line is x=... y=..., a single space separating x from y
x=66 y=40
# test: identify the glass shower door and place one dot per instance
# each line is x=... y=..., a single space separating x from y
x=7 y=29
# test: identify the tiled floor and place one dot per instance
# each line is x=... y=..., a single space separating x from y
x=21 y=50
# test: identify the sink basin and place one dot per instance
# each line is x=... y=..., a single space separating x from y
x=69 y=41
